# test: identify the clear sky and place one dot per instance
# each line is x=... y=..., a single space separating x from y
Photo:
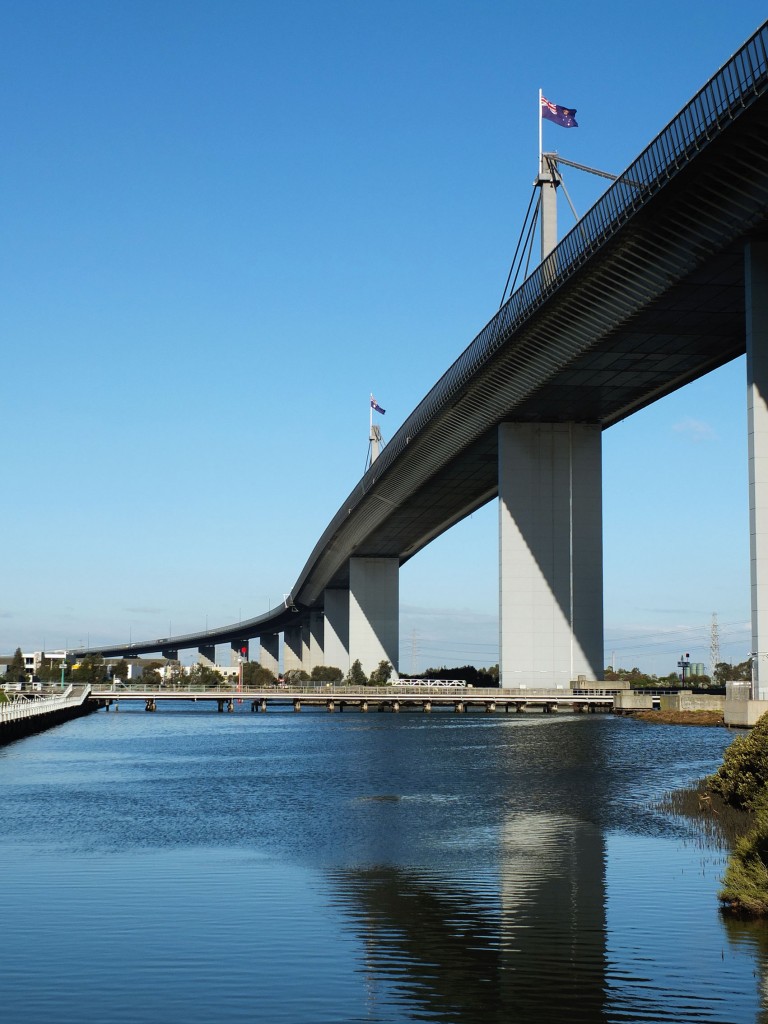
x=227 y=222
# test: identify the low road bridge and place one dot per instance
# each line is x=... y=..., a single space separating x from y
x=382 y=698
x=663 y=280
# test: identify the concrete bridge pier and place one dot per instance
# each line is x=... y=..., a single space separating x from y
x=206 y=655
x=756 y=278
x=269 y=652
x=336 y=628
x=292 y=647
x=240 y=651
x=315 y=652
x=550 y=552
x=374 y=612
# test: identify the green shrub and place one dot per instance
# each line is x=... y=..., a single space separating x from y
x=742 y=778
x=745 y=886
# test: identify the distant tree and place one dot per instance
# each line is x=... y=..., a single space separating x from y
x=15 y=672
x=725 y=672
x=326 y=674
x=381 y=675
x=480 y=677
x=92 y=669
x=120 y=670
x=50 y=670
x=699 y=682
x=296 y=675
x=203 y=676
x=174 y=674
x=150 y=678
x=356 y=676
x=493 y=672
x=255 y=674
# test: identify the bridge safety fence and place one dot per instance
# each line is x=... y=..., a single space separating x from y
x=326 y=692
x=30 y=707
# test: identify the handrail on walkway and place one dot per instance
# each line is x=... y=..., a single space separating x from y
x=15 y=710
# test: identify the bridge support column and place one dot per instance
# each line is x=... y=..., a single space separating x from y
x=316 y=638
x=336 y=629
x=206 y=655
x=240 y=651
x=374 y=612
x=269 y=652
x=756 y=277
x=306 y=664
x=550 y=552
x=292 y=649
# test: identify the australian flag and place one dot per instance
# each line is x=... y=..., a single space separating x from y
x=376 y=407
x=564 y=116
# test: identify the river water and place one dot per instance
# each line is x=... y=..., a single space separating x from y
x=187 y=866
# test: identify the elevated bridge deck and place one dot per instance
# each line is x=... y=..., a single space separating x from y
x=644 y=295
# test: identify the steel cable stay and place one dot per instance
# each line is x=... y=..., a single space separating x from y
x=517 y=249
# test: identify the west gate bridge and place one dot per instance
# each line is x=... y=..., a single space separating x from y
x=663 y=280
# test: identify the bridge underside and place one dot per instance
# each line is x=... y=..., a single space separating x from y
x=698 y=325
x=657 y=305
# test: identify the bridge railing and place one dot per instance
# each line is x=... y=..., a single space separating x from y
x=30 y=707
x=327 y=691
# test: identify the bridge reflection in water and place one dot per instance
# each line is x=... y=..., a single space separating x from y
x=540 y=957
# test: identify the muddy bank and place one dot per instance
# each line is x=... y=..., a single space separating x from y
x=681 y=717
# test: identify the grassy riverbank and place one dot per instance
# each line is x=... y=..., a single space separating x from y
x=741 y=782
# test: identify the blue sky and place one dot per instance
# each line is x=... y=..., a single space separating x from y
x=226 y=223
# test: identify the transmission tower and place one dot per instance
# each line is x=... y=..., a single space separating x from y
x=714 y=646
x=414 y=651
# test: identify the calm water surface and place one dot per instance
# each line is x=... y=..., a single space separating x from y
x=195 y=867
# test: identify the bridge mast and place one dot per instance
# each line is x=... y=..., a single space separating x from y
x=547 y=182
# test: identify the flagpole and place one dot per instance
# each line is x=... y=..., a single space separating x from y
x=538 y=166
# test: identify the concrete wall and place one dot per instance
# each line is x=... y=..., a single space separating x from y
x=744 y=713
x=631 y=700
x=687 y=701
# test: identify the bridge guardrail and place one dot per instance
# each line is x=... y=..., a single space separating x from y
x=30 y=707
x=328 y=692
